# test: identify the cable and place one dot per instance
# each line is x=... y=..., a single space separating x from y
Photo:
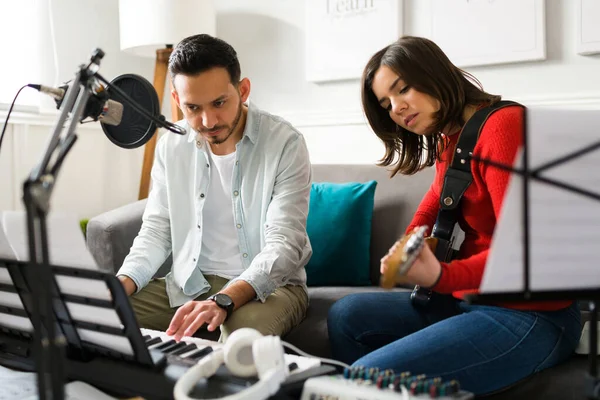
x=8 y=115
x=203 y=369
x=403 y=390
x=325 y=360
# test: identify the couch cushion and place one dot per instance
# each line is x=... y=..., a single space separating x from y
x=311 y=335
x=565 y=381
x=339 y=228
x=396 y=201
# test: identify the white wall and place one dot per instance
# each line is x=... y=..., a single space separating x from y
x=269 y=38
x=96 y=176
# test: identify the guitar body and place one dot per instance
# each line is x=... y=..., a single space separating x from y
x=407 y=249
x=403 y=254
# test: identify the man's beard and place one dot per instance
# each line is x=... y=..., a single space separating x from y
x=236 y=121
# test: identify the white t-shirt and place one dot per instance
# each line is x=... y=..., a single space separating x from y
x=220 y=253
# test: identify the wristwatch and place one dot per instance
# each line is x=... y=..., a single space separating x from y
x=223 y=301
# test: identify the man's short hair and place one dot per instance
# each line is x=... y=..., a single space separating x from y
x=199 y=53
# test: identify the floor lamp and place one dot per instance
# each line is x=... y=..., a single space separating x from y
x=150 y=28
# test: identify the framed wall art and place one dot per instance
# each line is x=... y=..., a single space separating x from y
x=588 y=27
x=484 y=32
x=341 y=35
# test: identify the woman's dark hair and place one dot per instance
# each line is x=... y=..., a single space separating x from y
x=200 y=53
x=424 y=67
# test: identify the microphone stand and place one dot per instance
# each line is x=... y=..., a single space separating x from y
x=49 y=342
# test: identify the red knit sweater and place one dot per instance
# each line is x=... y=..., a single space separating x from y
x=499 y=140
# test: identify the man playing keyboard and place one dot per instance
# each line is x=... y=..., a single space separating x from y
x=229 y=200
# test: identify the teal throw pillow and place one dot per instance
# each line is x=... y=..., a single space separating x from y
x=339 y=229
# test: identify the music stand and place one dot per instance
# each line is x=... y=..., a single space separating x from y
x=96 y=341
x=530 y=174
x=16 y=329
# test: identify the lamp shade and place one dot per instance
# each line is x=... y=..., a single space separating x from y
x=149 y=25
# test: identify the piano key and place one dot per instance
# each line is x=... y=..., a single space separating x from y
x=188 y=339
x=171 y=349
x=153 y=340
x=204 y=347
x=164 y=345
x=198 y=354
x=170 y=346
x=146 y=337
x=189 y=347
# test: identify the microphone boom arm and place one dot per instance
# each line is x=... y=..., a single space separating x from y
x=49 y=341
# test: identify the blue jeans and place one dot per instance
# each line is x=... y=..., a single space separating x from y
x=486 y=348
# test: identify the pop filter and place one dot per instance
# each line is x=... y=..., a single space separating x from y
x=135 y=129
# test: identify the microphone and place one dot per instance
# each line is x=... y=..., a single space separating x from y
x=99 y=107
x=127 y=107
x=56 y=93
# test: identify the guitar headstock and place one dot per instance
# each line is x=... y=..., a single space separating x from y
x=403 y=254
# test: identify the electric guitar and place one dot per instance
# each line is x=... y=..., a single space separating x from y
x=404 y=253
x=408 y=248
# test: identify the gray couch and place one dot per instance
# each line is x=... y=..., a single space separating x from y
x=110 y=235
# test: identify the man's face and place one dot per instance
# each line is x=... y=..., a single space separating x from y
x=210 y=103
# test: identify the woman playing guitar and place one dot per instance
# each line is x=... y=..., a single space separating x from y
x=419 y=104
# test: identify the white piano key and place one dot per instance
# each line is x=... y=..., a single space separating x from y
x=187 y=339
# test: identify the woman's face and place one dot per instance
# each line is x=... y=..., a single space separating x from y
x=409 y=108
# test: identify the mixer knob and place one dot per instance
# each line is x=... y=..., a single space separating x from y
x=434 y=390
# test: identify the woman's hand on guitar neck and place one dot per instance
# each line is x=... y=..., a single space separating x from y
x=424 y=272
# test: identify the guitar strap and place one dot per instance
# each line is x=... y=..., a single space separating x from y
x=458 y=178
x=456 y=181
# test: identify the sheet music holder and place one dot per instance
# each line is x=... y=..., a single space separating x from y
x=546 y=230
x=93 y=313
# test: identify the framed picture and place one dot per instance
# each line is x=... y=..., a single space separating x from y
x=588 y=27
x=341 y=35
x=483 y=32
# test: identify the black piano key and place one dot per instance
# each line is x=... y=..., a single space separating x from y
x=198 y=354
x=146 y=337
x=152 y=340
x=171 y=346
x=188 y=347
x=175 y=347
x=164 y=345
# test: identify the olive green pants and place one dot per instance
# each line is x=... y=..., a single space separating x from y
x=284 y=309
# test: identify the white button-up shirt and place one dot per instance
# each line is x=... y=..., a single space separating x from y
x=270 y=194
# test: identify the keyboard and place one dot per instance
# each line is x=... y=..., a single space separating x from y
x=169 y=361
x=101 y=341
x=190 y=350
x=186 y=352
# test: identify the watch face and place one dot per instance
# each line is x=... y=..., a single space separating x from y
x=223 y=300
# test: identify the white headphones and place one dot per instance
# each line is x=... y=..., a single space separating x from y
x=246 y=353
